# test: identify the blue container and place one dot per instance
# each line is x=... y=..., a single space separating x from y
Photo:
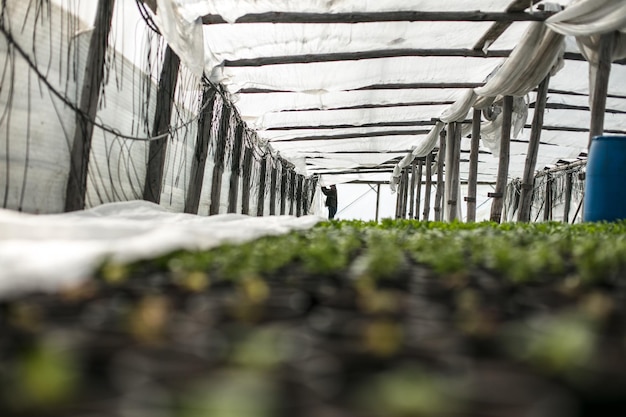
x=605 y=191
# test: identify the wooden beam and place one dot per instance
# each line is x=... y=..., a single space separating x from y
x=292 y=192
x=158 y=148
x=305 y=196
x=273 y=188
x=569 y=180
x=260 y=207
x=503 y=165
x=561 y=106
x=498 y=28
x=526 y=195
x=220 y=153
x=299 y=195
x=412 y=190
x=405 y=194
x=440 y=182
x=283 y=189
x=76 y=189
x=393 y=86
x=373 y=106
x=473 y=167
x=355 y=56
x=246 y=181
x=355 y=136
x=418 y=193
x=547 y=207
x=235 y=168
x=399 y=16
x=428 y=186
x=452 y=169
x=198 y=163
x=600 y=75
x=407 y=123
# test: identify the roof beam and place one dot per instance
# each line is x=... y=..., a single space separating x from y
x=407 y=86
x=373 y=106
x=355 y=135
x=577 y=129
x=348 y=126
x=355 y=56
x=399 y=16
x=498 y=28
x=559 y=106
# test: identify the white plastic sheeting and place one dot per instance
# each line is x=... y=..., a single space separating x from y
x=50 y=252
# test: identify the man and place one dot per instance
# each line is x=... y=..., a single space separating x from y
x=331 y=200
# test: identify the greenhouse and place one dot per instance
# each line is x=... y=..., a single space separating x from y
x=169 y=244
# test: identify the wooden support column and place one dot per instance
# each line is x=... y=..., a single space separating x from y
x=299 y=195
x=547 y=207
x=569 y=182
x=400 y=197
x=405 y=194
x=412 y=189
x=273 y=187
x=428 y=186
x=503 y=166
x=377 y=201
x=235 y=168
x=292 y=192
x=473 y=167
x=158 y=148
x=441 y=155
x=453 y=157
x=600 y=76
x=194 y=189
x=418 y=192
x=76 y=190
x=245 y=187
x=526 y=195
x=283 y=189
x=260 y=207
x=220 y=153
x=306 y=190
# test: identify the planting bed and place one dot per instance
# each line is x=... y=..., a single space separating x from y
x=346 y=319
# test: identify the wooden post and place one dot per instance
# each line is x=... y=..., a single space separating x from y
x=453 y=156
x=399 y=198
x=473 y=167
x=260 y=207
x=405 y=194
x=299 y=195
x=283 y=189
x=158 y=148
x=418 y=193
x=292 y=192
x=412 y=188
x=194 y=189
x=503 y=166
x=76 y=190
x=220 y=153
x=428 y=186
x=377 y=201
x=245 y=187
x=600 y=85
x=547 y=206
x=305 y=196
x=440 y=183
x=526 y=195
x=568 y=196
x=235 y=168
x=273 y=187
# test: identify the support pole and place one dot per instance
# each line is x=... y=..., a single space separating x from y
x=260 y=207
x=306 y=190
x=377 y=201
x=428 y=186
x=418 y=192
x=503 y=166
x=76 y=190
x=400 y=197
x=273 y=187
x=158 y=148
x=600 y=85
x=283 y=189
x=568 y=195
x=528 y=180
x=245 y=187
x=412 y=188
x=547 y=206
x=299 y=195
x=473 y=167
x=220 y=153
x=292 y=192
x=440 y=181
x=405 y=194
x=453 y=157
x=198 y=164
x=235 y=168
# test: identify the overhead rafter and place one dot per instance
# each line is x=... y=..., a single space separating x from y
x=373 y=106
x=498 y=28
x=399 y=16
x=348 y=126
x=407 y=86
x=354 y=135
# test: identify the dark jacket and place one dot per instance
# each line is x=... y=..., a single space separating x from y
x=331 y=196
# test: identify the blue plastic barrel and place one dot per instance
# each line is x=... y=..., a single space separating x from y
x=605 y=190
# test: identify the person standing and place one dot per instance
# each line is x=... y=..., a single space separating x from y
x=331 y=200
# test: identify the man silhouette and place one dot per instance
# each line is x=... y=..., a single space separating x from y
x=331 y=200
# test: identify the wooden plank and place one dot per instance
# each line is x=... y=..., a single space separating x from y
x=473 y=167
x=440 y=181
x=601 y=85
x=523 y=215
x=393 y=16
x=260 y=207
x=198 y=163
x=163 y=115
x=235 y=167
x=76 y=189
x=569 y=180
x=354 y=56
x=428 y=186
x=246 y=181
x=418 y=193
x=220 y=153
x=503 y=165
